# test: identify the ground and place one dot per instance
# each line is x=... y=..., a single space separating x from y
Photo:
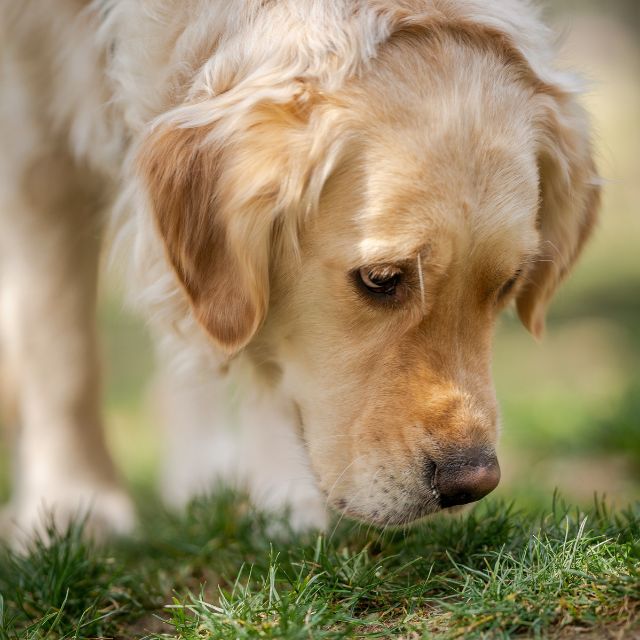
x=221 y=572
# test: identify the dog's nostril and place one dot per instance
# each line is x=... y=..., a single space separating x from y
x=466 y=479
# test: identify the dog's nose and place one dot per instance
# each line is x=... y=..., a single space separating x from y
x=466 y=477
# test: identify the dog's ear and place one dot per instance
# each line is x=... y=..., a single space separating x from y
x=569 y=203
x=217 y=180
x=226 y=286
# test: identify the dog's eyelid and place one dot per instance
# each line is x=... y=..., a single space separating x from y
x=380 y=255
x=382 y=270
x=508 y=286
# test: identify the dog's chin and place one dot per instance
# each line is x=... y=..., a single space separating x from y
x=458 y=510
x=378 y=517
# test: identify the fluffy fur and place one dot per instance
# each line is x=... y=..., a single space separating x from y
x=252 y=157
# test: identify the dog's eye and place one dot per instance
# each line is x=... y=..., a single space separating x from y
x=381 y=281
x=508 y=286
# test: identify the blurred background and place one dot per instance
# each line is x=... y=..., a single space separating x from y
x=570 y=404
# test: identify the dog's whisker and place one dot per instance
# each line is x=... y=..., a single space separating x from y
x=335 y=483
x=421 y=279
x=354 y=499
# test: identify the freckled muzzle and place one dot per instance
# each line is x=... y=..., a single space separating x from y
x=466 y=476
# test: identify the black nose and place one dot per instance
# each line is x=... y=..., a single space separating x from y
x=466 y=477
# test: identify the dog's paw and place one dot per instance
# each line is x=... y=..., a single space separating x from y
x=105 y=512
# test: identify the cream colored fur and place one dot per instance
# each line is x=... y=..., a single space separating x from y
x=247 y=158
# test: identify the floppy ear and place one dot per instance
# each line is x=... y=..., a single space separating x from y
x=226 y=288
x=569 y=203
x=217 y=180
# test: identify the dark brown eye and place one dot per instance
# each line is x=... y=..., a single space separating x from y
x=508 y=286
x=379 y=281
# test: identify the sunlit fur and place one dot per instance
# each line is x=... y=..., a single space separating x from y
x=258 y=153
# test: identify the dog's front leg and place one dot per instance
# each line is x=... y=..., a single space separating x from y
x=201 y=444
x=50 y=252
x=275 y=462
x=223 y=429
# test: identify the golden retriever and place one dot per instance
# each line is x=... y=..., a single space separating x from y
x=323 y=206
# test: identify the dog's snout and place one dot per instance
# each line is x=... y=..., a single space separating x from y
x=466 y=478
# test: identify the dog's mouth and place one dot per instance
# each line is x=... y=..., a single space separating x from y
x=409 y=515
x=447 y=486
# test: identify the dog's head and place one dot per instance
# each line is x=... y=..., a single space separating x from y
x=359 y=243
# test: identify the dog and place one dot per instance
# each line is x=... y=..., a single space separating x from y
x=321 y=207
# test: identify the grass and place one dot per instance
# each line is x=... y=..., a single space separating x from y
x=63 y=586
x=219 y=571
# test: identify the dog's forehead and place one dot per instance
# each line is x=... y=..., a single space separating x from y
x=447 y=158
x=453 y=201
